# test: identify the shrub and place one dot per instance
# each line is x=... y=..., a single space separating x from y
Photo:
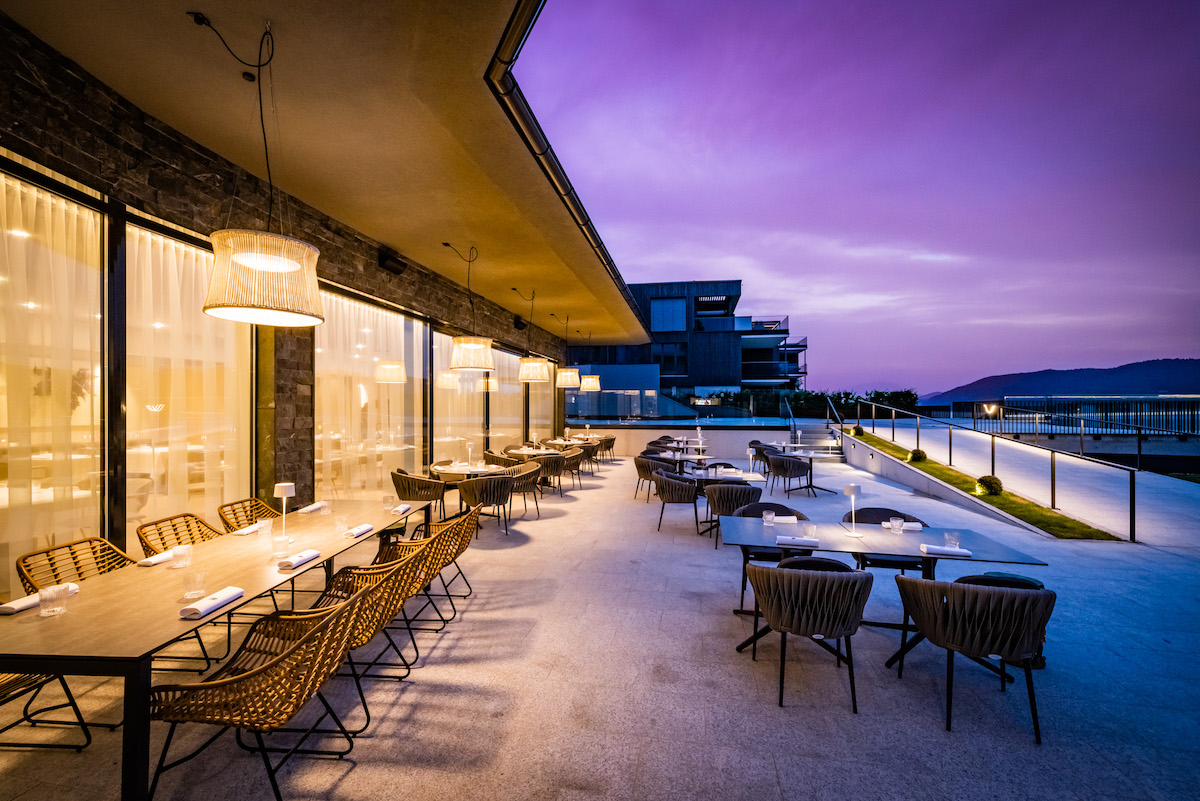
x=917 y=455
x=990 y=485
x=858 y=431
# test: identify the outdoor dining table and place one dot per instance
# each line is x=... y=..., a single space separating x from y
x=525 y=454
x=456 y=471
x=704 y=476
x=118 y=621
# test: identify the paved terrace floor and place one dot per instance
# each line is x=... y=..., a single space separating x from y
x=596 y=660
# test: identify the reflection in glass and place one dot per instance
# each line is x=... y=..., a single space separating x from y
x=506 y=404
x=457 y=407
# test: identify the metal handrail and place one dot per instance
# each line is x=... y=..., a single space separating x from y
x=831 y=409
x=785 y=411
x=1132 y=471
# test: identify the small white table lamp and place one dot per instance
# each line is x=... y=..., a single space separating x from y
x=284 y=491
x=853 y=490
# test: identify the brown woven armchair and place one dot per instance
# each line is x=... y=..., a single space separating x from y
x=71 y=561
x=980 y=622
x=499 y=459
x=284 y=661
x=552 y=468
x=494 y=492
x=159 y=536
x=573 y=465
x=525 y=483
x=725 y=499
x=417 y=488
x=752 y=553
x=817 y=598
x=676 y=488
x=446 y=541
x=788 y=468
x=245 y=512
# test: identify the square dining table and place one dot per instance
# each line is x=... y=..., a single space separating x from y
x=118 y=621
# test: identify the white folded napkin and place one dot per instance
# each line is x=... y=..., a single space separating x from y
x=246 y=531
x=213 y=602
x=29 y=601
x=312 y=507
x=157 y=559
x=295 y=560
x=401 y=509
x=357 y=531
x=797 y=542
x=786 y=519
x=907 y=526
x=942 y=550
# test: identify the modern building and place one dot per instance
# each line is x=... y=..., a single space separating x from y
x=699 y=345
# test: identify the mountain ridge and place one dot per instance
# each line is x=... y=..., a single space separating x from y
x=1150 y=377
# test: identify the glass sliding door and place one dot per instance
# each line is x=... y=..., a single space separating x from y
x=506 y=402
x=51 y=293
x=458 y=398
x=541 y=408
x=371 y=378
x=189 y=433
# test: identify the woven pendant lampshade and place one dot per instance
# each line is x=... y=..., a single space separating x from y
x=534 y=370
x=589 y=383
x=391 y=373
x=472 y=353
x=263 y=279
x=568 y=378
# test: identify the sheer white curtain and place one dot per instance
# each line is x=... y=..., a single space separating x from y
x=506 y=402
x=50 y=391
x=371 y=375
x=541 y=408
x=457 y=406
x=189 y=435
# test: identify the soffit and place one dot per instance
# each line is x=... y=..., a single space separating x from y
x=385 y=123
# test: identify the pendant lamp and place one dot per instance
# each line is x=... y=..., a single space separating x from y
x=260 y=277
x=473 y=352
x=534 y=369
x=568 y=377
x=589 y=383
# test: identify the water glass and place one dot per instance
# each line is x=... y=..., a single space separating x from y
x=279 y=542
x=810 y=530
x=389 y=503
x=768 y=518
x=193 y=584
x=341 y=523
x=181 y=556
x=53 y=600
x=897 y=524
x=326 y=508
x=952 y=539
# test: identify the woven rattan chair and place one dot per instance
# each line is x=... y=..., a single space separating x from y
x=645 y=467
x=417 y=488
x=446 y=541
x=759 y=460
x=765 y=554
x=788 y=468
x=16 y=685
x=499 y=459
x=525 y=484
x=159 y=536
x=980 y=622
x=492 y=492
x=725 y=499
x=590 y=450
x=573 y=465
x=817 y=598
x=607 y=449
x=71 y=561
x=282 y=664
x=245 y=512
x=552 y=468
x=677 y=489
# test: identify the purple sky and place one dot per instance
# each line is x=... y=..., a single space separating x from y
x=933 y=191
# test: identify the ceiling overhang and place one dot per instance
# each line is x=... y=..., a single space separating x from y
x=394 y=118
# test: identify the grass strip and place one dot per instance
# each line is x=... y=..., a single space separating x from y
x=1054 y=523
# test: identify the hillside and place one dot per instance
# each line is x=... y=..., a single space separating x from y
x=1155 y=377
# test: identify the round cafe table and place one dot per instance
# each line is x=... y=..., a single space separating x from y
x=457 y=471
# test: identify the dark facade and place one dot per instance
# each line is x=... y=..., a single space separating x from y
x=701 y=346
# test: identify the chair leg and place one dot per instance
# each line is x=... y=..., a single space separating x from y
x=949 y=685
x=850 y=665
x=782 y=662
x=1037 y=729
x=754 y=641
x=696 y=514
x=660 y=515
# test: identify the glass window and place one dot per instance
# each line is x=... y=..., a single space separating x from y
x=189 y=434
x=50 y=377
x=370 y=411
x=668 y=314
x=506 y=402
x=457 y=406
x=541 y=408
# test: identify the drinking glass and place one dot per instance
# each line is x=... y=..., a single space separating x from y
x=181 y=556
x=193 y=584
x=768 y=518
x=897 y=524
x=389 y=503
x=279 y=541
x=342 y=523
x=52 y=600
x=810 y=530
x=952 y=539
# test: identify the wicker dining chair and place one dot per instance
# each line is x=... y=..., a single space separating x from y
x=159 y=536
x=552 y=468
x=418 y=488
x=246 y=512
x=525 y=484
x=677 y=489
x=446 y=541
x=751 y=553
x=493 y=492
x=981 y=622
x=607 y=450
x=16 y=685
x=499 y=459
x=573 y=465
x=71 y=561
x=788 y=468
x=280 y=667
x=725 y=499
x=821 y=599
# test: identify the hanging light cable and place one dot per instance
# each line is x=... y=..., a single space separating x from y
x=259 y=277
x=588 y=383
x=534 y=369
x=473 y=352
x=568 y=377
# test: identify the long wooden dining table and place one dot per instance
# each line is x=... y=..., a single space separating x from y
x=118 y=621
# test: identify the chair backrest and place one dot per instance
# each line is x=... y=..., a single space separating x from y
x=525 y=476
x=652 y=449
x=977 y=620
x=810 y=602
x=878 y=514
x=711 y=465
x=158 y=536
x=725 y=499
x=510 y=448
x=1000 y=580
x=463 y=531
x=815 y=563
x=417 y=488
x=390 y=579
x=675 y=488
x=486 y=490
x=499 y=459
x=787 y=466
x=756 y=510
x=245 y=512
x=552 y=464
x=572 y=458
x=645 y=467
x=71 y=561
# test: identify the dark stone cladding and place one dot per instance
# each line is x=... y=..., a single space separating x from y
x=58 y=115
